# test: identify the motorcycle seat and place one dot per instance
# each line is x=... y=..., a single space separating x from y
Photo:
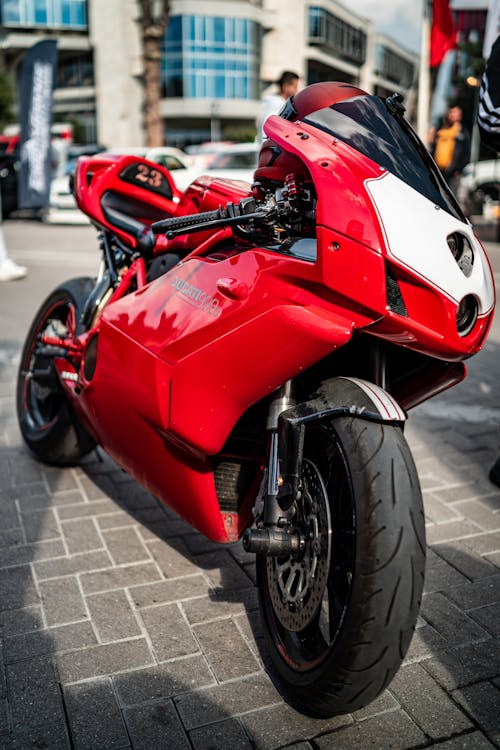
x=117 y=211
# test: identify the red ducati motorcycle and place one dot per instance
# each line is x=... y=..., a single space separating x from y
x=249 y=355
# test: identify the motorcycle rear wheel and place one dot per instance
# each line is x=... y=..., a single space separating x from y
x=47 y=422
x=338 y=621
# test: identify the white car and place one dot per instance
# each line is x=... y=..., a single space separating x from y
x=202 y=154
x=479 y=190
x=62 y=205
x=173 y=159
x=237 y=162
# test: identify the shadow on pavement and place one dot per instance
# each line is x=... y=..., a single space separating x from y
x=121 y=627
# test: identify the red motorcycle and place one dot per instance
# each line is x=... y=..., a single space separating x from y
x=249 y=356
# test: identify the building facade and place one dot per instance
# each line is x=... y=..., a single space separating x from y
x=24 y=22
x=217 y=60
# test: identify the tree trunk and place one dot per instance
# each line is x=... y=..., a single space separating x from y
x=152 y=31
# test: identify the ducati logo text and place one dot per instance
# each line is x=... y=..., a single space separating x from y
x=196 y=297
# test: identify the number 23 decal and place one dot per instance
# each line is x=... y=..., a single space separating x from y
x=149 y=176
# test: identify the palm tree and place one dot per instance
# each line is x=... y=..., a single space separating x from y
x=153 y=20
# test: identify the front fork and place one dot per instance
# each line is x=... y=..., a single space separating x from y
x=341 y=396
x=274 y=517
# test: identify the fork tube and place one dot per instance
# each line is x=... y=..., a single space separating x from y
x=274 y=468
x=379 y=366
x=282 y=401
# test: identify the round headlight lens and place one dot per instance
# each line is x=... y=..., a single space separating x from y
x=467 y=313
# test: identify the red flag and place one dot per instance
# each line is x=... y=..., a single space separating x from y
x=443 y=32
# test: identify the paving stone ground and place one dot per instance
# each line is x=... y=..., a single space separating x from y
x=121 y=628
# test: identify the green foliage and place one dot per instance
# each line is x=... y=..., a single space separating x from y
x=469 y=69
x=239 y=133
x=473 y=56
x=6 y=99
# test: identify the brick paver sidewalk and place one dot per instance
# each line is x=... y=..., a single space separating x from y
x=122 y=628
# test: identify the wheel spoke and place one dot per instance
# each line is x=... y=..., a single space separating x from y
x=43 y=399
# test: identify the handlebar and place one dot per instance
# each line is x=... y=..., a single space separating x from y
x=165 y=226
x=244 y=212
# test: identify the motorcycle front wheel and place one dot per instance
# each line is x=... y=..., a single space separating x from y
x=339 y=617
x=48 y=425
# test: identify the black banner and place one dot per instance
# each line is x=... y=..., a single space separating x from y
x=35 y=100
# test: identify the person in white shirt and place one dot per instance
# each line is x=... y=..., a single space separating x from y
x=288 y=85
x=9 y=271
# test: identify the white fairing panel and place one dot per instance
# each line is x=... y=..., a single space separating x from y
x=382 y=401
x=415 y=232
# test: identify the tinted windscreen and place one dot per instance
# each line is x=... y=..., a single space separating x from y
x=366 y=124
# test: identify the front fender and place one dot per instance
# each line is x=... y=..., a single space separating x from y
x=338 y=397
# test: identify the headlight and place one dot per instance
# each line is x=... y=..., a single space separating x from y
x=467 y=313
x=462 y=251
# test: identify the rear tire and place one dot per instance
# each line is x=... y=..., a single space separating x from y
x=338 y=622
x=47 y=422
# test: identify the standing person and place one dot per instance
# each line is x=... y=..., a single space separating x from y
x=9 y=271
x=452 y=147
x=488 y=111
x=488 y=120
x=288 y=85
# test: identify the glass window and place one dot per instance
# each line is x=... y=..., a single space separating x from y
x=240 y=31
x=167 y=160
x=77 y=70
x=219 y=87
x=235 y=160
x=219 y=30
x=45 y=13
x=174 y=30
x=216 y=57
x=66 y=13
x=328 y=30
x=40 y=8
x=10 y=12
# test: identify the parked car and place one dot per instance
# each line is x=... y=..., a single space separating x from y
x=62 y=205
x=237 y=162
x=479 y=191
x=202 y=154
x=173 y=159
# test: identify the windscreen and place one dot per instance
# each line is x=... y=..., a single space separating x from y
x=366 y=124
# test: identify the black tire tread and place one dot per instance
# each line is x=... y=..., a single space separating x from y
x=66 y=441
x=386 y=588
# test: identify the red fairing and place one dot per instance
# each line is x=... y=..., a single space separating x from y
x=323 y=94
x=175 y=356
x=135 y=187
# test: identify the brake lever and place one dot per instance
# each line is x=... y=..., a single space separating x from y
x=229 y=221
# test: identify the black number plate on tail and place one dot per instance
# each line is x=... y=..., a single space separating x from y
x=147 y=177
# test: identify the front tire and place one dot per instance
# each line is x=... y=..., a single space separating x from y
x=47 y=422
x=338 y=621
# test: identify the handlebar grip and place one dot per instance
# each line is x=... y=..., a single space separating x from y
x=181 y=222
